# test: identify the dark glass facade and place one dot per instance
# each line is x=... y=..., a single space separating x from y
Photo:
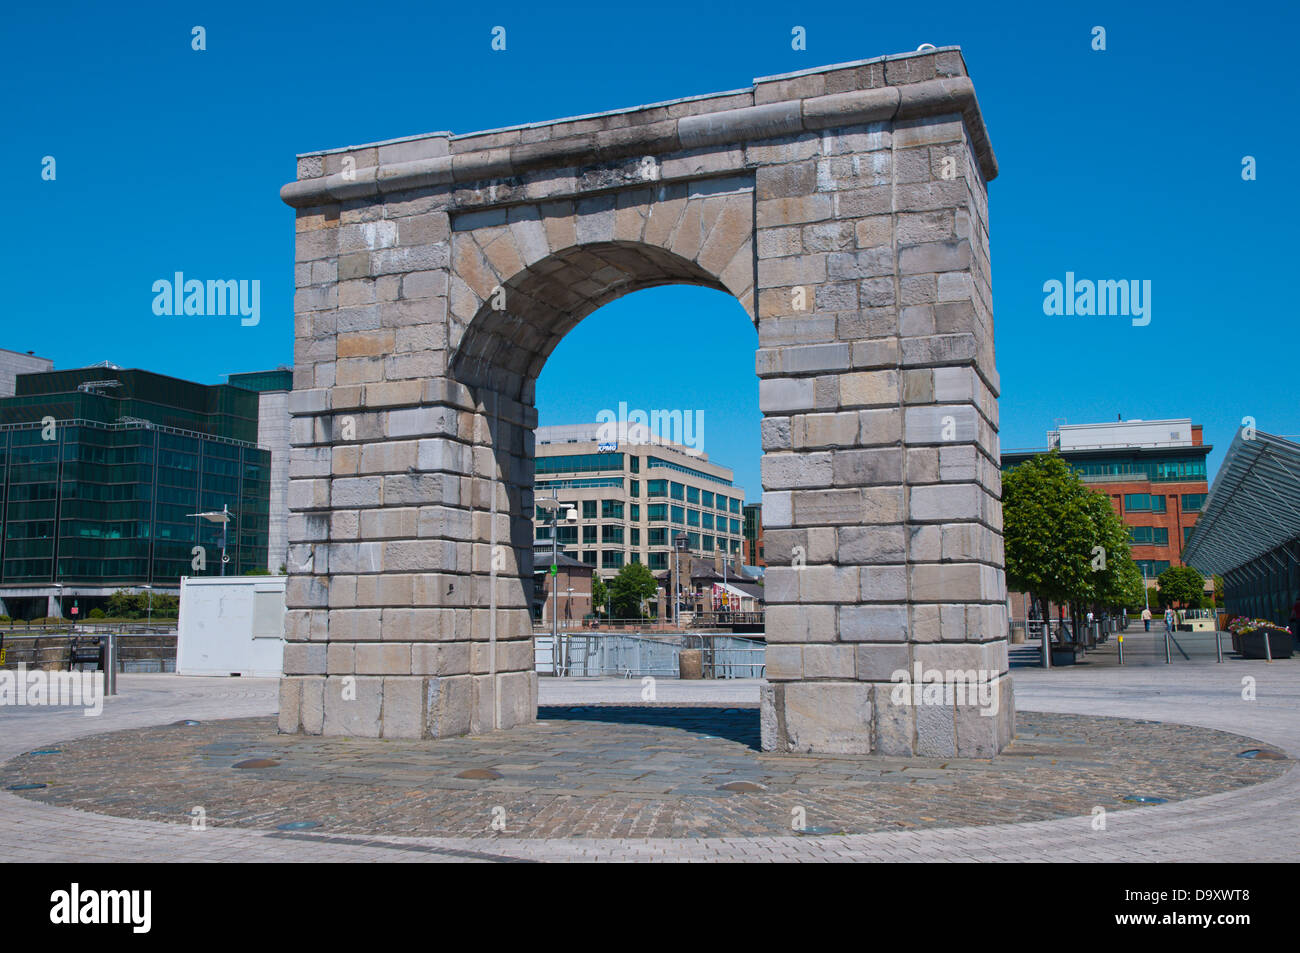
x=100 y=469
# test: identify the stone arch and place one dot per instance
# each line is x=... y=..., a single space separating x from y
x=522 y=278
x=845 y=207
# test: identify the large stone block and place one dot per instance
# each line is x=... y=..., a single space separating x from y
x=354 y=706
x=829 y=717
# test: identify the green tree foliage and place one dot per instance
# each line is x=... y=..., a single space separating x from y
x=1182 y=587
x=135 y=605
x=629 y=589
x=1064 y=542
x=599 y=593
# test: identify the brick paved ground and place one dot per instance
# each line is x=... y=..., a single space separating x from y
x=623 y=772
x=1256 y=822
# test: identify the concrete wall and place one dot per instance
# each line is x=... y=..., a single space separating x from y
x=273 y=435
x=13 y=363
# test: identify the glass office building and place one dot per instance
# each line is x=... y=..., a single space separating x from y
x=631 y=499
x=102 y=471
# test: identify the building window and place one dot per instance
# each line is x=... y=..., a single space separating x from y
x=589 y=509
x=733 y=505
x=706 y=498
x=589 y=558
x=589 y=534
x=636 y=512
x=1151 y=568
x=1144 y=503
x=611 y=534
x=692 y=494
x=636 y=463
x=1193 y=502
x=658 y=537
x=611 y=509
x=636 y=557
x=636 y=536
x=735 y=527
x=657 y=512
x=679 y=514
x=708 y=544
x=636 y=488
x=722 y=503
x=658 y=561
x=1187 y=533
x=677 y=491
x=543 y=532
x=566 y=534
x=692 y=540
x=692 y=517
x=579 y=463
x=611 y=559
x=655 y=488
x=1149 y=535
x=708 y=520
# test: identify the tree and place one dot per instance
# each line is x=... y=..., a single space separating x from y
x=1115 y=579
x=599 y=592
x=1182 y=587
x=629 y=589
x=1064 y=543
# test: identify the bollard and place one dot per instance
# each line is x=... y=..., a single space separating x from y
x=1268 y=647
x=1218 y=644
x=1121 y=650
x=1047 y=645
x=111 y=659
x=1167 y=645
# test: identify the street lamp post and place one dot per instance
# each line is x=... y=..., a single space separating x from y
x=679 y=543
x=553 y=505
x=224 y=517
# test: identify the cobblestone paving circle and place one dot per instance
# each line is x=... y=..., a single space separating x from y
x=615 y=771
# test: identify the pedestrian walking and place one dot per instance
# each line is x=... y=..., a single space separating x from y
x=1146 y=619
x=1169 y=621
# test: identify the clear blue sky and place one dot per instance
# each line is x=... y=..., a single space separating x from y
x=1117 y=164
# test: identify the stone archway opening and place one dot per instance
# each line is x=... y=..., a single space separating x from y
x=652 y=407
x=845 y=208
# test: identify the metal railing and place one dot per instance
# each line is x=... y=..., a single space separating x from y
x=590 y=654
x=93 y=627
x=691 y=621
x=134 y=652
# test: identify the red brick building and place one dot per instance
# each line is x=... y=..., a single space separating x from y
x=1153 y=472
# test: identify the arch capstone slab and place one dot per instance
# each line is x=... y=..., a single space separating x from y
x=845 y=208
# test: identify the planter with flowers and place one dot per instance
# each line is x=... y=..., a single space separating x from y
x=1248 y=637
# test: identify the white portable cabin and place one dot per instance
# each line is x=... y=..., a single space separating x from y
x=231 y=625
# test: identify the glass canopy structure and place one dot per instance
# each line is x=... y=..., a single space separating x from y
x=1249 y=531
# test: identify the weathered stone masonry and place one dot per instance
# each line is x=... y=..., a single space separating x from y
x=844 y=207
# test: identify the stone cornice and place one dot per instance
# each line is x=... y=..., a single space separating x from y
x=476 y=158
